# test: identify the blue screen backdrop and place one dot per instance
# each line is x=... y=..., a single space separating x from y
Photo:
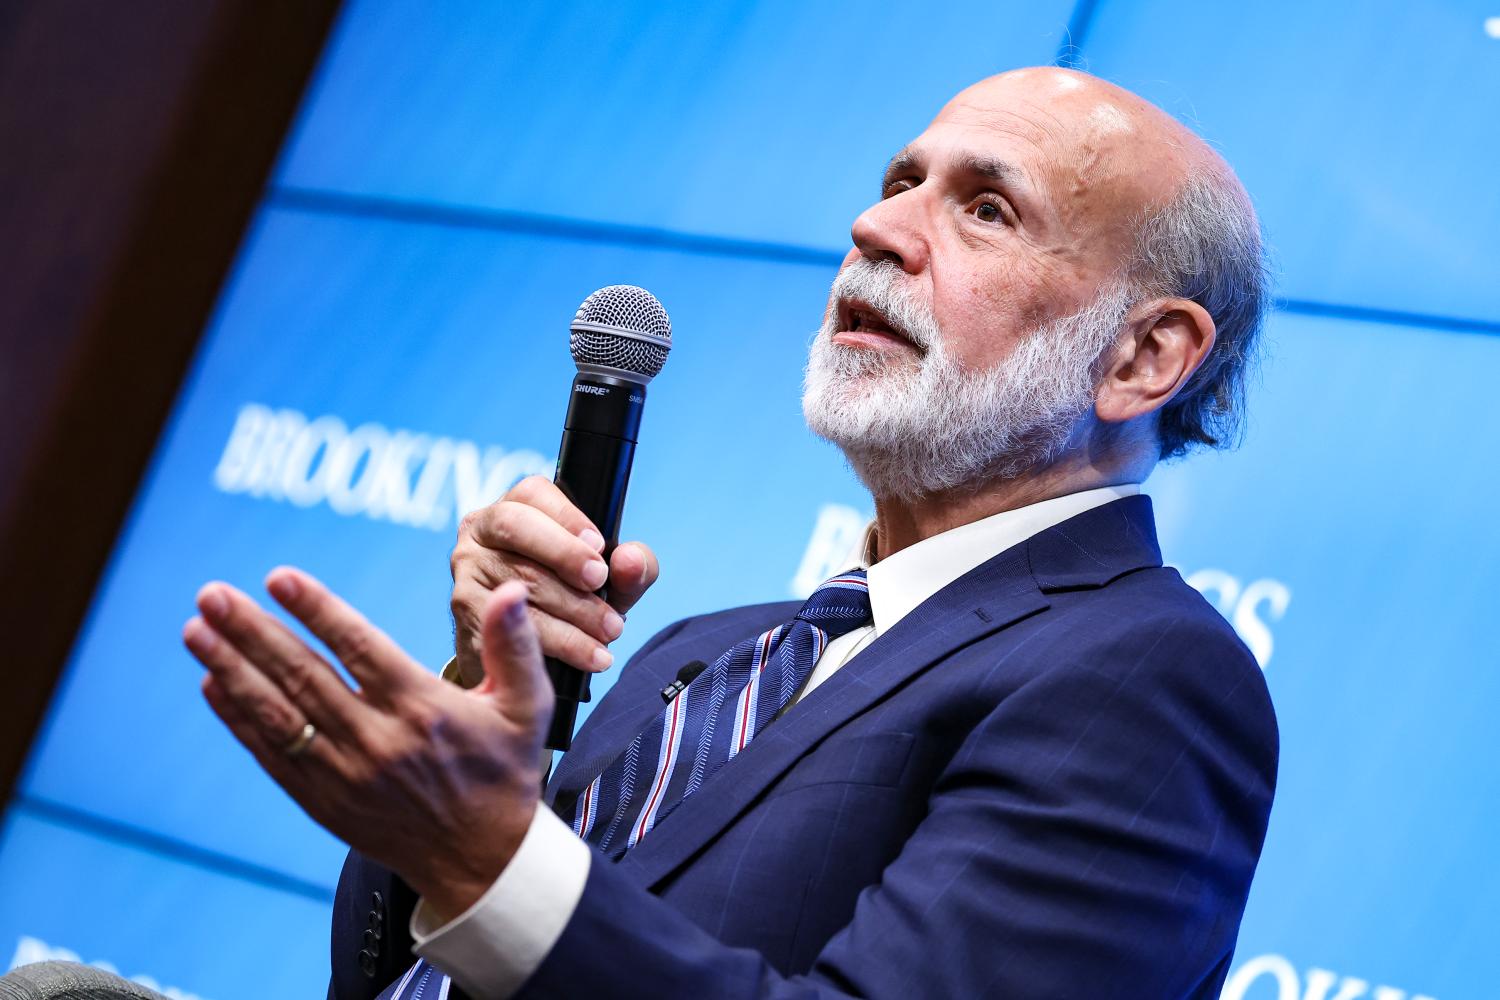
x=390 y=351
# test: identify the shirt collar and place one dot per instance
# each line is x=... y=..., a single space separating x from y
x=901 y=582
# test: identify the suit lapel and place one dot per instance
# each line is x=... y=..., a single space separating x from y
x=991 y=597
x=1085 y=551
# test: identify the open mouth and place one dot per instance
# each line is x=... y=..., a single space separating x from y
x=859 y=323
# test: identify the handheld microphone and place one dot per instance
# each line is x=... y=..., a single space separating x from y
x=619 y=340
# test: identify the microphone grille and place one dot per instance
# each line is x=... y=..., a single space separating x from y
x=621 y=330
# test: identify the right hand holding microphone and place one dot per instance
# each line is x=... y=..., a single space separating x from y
x=536 y=535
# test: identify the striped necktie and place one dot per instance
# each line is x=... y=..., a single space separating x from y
x=704 y=728
x=714 y=718
x=421 y=982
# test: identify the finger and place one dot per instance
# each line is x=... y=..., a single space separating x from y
x=316 y=779
x=515 y=527
x=262 y=708
x=582 y=608
x=380 y=666
x=599 y=623
x=570 y=644
x=306 y=678
x=543 y=494
x=478 y=571
x=291 y=773
x=267 y=752
x=632 y=570
x=513 y=655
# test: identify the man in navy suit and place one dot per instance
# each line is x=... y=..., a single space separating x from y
x=1028 y=762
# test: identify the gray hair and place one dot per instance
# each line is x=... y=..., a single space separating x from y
x=1204 y=245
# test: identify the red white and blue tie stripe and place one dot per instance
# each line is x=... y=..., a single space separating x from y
x=714 y=718
x=702 y=729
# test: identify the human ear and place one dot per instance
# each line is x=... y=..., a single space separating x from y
x=1164 y=343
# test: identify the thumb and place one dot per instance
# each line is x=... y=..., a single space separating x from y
x=514 y=677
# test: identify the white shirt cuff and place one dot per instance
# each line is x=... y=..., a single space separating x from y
x=495 y=945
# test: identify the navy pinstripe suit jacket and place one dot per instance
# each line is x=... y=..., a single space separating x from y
x=1050 y=780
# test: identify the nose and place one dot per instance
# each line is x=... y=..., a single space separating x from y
x=891 y=230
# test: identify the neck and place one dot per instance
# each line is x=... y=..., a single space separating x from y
x=904 y=522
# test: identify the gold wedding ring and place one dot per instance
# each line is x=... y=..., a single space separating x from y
x=301 y=741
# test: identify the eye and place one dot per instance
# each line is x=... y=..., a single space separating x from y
x=895 y=187
x=988 y=211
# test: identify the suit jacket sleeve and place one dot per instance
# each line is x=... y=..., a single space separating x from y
x=1094 y=836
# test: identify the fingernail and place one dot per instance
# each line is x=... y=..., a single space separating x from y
x=592 y=539
x=595 y=573
x=284 y=587
x=213 y=603
x=603 y=658
x=198 y=636
x=613 y=625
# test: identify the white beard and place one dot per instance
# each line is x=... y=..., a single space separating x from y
x=911 y=431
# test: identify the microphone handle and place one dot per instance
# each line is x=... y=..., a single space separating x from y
x=593 y=471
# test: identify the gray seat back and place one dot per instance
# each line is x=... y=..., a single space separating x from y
x=69 y=981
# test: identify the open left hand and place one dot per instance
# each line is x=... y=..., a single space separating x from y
x=437 y=783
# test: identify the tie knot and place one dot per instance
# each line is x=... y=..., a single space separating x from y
x=839 y=605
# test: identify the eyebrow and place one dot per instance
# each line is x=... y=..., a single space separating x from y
x=903 y=161
x=999 y=171
x=1030 y=205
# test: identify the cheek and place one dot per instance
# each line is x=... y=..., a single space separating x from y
x=1034 y=290
x=1052 y=289
x=985 y=313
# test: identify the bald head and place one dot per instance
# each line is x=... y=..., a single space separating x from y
x=1090 y=109
x=1108 y=157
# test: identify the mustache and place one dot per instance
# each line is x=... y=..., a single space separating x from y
x=882 y=286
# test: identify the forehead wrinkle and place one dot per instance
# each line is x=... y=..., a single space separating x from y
x=1031 y=122
x=1009 y=126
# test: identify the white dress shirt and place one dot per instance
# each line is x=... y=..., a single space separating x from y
x=493 y=947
